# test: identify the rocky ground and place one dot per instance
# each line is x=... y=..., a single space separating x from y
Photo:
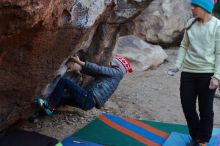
x=151 y=95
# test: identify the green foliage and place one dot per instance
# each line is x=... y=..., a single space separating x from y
x=217 y=7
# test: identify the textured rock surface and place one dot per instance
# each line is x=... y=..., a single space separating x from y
x=36 y=37
x=162 y=22
x=142 y=55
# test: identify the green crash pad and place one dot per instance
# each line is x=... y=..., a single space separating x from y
x=102 y=132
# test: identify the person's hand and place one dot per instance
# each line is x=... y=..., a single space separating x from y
x=172 y=71
x=214 y=83
x=77 y=60
x=74 y=67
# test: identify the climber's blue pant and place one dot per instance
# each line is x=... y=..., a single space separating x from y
x=77 y=96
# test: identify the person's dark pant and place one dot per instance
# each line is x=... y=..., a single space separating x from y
x=77 y=96
x=195 y=85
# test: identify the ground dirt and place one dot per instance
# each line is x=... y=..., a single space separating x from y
x=151 y=95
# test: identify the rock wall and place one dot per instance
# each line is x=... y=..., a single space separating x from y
x=36 y=37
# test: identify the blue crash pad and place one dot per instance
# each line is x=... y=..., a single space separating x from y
x=180 y=139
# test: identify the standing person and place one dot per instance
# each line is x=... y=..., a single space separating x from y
x=106 y=80
x=199 y=60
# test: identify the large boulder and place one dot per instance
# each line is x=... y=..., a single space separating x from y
x=141 y=54
x=162 y=22
x=36 y=37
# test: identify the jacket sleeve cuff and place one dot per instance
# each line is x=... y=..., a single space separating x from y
x=84 y=68
x=178 y=65
x=217 y=76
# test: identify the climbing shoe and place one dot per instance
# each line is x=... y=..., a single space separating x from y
x=202 y=144
x=44 y=105
x=192 y=143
